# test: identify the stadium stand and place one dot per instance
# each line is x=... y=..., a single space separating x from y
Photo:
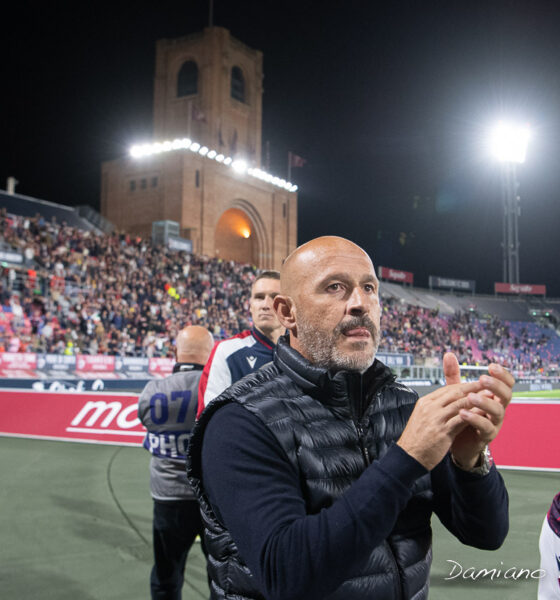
x=26 y=206
x=76 y=290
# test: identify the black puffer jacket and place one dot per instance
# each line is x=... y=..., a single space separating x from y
x=311 y=413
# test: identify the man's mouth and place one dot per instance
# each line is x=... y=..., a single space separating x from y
x=358 y=332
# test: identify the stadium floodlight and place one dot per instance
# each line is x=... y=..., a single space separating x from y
x=239 y=166
x=508 y=142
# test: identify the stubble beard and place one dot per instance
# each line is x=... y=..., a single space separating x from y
x=321 y=347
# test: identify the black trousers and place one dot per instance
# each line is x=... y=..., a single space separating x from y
x=176 y=525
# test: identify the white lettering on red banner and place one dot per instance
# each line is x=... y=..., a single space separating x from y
x=395 y=275
x=18 y=360
x=89 y=417
x=112 y=419
x=519 y=288
x=161 y=366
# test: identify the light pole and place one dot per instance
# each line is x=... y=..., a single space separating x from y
x=509 y=146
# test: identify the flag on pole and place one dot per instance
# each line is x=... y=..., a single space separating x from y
x=295 y=160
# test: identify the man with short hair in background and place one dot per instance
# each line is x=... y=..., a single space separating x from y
x=167 y=408
x=249 y=350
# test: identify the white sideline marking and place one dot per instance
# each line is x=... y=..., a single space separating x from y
x=105 y=431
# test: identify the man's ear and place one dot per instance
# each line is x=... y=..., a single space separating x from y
x=285 y=312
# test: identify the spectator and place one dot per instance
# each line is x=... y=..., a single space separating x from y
x=124 y=282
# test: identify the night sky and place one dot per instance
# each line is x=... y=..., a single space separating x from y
x=388 y=103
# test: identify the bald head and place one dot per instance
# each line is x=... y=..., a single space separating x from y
x=321 y=252
x=329 y=302
x=193 y=345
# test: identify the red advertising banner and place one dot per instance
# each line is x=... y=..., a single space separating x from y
x=97 y=363
x=536 y=423
x=112 y=419
x=394 y=275
x=90 y=417
x=519 y=288
x=20 y=361
x=161 y=366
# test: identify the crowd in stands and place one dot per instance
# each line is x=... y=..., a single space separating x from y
x=475 y=339
x=79 y=292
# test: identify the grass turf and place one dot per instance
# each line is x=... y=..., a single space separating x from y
x=76 y=523
x=542 y=394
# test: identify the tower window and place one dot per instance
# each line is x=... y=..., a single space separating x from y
x=237 y=84
x=154 y=181
x=143 y=184
x=132 y=185
x=187 y=80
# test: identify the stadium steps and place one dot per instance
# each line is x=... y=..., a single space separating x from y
x=27 y=206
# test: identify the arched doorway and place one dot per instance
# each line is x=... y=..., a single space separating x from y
x=235 y=237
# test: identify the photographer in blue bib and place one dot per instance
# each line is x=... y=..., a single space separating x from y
x=167 y=408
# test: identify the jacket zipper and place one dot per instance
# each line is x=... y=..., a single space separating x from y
x=363 y=447
x=357 y=424
x=367 y=461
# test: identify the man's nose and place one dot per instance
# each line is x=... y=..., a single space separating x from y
x=357 y=304
x=268 y=303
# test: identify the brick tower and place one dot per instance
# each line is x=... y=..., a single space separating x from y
x=202 y=168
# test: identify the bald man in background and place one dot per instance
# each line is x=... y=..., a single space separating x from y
x=167 y=408
x=324 y=485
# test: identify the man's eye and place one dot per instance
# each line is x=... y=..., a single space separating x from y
x=369 y=287
x=334 y=287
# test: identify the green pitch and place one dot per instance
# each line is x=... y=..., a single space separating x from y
x=75 y=524
x=543 y=394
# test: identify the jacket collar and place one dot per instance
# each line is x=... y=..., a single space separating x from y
x=177 y=367
x=261 y=338
x=334 y=388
